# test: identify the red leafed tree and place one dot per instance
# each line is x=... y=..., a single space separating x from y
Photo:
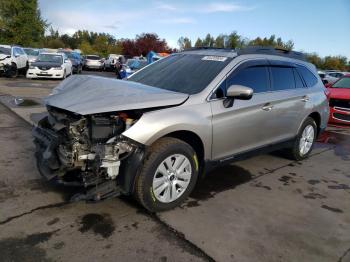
x=144 y=43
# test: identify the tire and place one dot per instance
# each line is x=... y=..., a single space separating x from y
x=297 y=152
x=147 y=181
x=13 y=72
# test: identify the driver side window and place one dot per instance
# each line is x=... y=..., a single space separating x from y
x=255 y=77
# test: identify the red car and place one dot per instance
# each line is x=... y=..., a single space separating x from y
x=339 y=101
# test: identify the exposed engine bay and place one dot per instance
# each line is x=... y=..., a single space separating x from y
x=87 y=151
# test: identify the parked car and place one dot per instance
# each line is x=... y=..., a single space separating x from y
x=339 y=103
x=153 y=135
x=111 y=61
x=32 y=53
x=93 y=62
x=132 y=66
x=326 y=78
x=50 y=65
x=12 y=60
x=75 y=60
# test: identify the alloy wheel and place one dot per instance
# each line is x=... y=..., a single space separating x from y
x=306 y=140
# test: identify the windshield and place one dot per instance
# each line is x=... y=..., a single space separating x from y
x=50 y=58
x=342 y=83
x=185 y=73
x=93 y=57
x=5 y=50
x=32 y=52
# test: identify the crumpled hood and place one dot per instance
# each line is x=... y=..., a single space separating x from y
x=87 y=94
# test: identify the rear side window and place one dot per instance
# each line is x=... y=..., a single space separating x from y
x=255 y=77
x=309 y=77
x=282 y=78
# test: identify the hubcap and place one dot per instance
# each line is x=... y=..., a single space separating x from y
x=307 y=139
x=172 y=178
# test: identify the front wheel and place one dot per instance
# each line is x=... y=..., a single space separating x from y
x=304 y=141
x=168 y=175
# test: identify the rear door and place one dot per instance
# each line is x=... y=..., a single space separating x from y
x=248 y=124
x=288 y=97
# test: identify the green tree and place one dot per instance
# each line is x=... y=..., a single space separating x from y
x=184 y=43
x=220 y=41
x=86 y=48
x=21 y=22
x=199 y=43
x=208 y=41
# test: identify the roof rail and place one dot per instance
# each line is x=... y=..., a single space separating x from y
x=271 y=51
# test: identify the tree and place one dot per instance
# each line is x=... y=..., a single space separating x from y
x=199 y=43
x=21 y=22
x=86 y=48
x=184 y=43
x=208 y=41
x=235 y=41
x=220 y=41
x=272 y=41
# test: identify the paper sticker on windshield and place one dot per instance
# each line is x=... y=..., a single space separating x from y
x=214 y=58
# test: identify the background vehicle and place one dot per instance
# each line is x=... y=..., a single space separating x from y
x=32 y=54
x=50 y=65
x=75 y=60
x=339 y=102
x=132 y=66
x=326 y=78
x=110 y=62
x=12 y=60
x=93 y=62
x=154 y=134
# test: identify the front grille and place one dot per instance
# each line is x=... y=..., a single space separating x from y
x=339 y=103
x=341 y=117
x=43 y=75
x=44 y=67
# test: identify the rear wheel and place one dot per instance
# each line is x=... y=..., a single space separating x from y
x=304 y=141
x=168 y=175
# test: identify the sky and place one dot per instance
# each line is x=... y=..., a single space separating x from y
x=321 y=26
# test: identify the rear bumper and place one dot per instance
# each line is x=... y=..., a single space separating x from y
x=339 y=116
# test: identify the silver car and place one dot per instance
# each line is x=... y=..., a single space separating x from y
x=93 y=62
x=155 y=134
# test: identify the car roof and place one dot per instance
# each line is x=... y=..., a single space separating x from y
x=6 y=46
x=48 y=53
x=251 y=50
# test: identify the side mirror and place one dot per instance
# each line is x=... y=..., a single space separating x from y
x=237 y=92
x=328 y=85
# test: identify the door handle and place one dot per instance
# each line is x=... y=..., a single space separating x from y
x=305 y=99
x=267 y=107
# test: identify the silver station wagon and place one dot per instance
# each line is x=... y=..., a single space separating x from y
x=153 y=135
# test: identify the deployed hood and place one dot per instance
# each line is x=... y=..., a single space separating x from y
x=87 y=94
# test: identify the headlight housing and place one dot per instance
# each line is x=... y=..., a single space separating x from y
x=58 y=68
x=32 y=67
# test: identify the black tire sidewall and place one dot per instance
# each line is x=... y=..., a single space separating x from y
x=149 y=199
x=308 y=121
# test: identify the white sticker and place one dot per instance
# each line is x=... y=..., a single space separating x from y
x=214 y=58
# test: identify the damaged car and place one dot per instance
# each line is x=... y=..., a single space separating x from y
x=153 y=135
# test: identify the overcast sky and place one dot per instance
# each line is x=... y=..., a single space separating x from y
x=315 y=26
